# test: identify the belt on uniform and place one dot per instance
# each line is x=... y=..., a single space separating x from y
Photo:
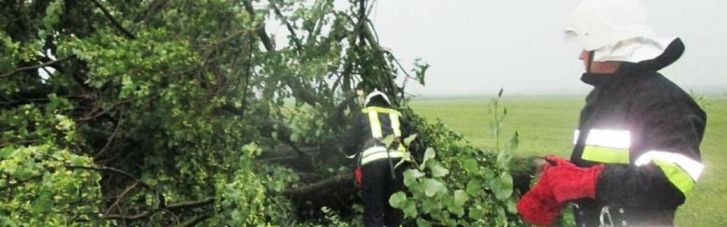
x=620 y=216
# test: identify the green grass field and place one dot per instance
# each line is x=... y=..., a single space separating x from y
x=546 y=124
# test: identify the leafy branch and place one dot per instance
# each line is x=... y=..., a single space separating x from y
x=160 y=201
x=459 y=185
x=113 y=20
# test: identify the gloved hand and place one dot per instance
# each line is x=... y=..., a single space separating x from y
x=539 y=206
x=570 y=182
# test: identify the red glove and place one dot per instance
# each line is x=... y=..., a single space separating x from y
x=570 y=182
x=357 y=175
x=539 y=206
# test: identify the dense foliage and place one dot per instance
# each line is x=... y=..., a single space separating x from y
x=154 y=113
x=464 y=186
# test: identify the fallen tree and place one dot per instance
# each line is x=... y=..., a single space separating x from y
x=172 y=108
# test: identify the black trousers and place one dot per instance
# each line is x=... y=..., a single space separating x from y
x=377 y=185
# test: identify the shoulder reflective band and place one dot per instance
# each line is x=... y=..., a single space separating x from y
x=681 y=170
x=606 y=146
x=380 y=110
x=395 y=125
x=376 y=132
x=375 y=124
x=378 y=152
x=373 y=113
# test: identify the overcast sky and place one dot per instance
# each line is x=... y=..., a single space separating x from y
x=475 y=47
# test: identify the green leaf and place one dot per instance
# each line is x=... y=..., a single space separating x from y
x=43 y=202
x=501 y=214
x=514 y=141
x=476 y=213
x=6 y=152
x=459 y=211
x=431 y=187
x=411 y=176
x=428 y=154
x=410 y=210
x=409 y=139
x=7 y=222
x=511 y=207
x=405 y=158
x=413 y=173
x=502 y=157
x=429 y=205
x=423 y=223
x=437 y=169
x=22 y=173
x=77 y=160
x=487 y=173
x=52 y=16
x=473 y=187
x=460 y=197
x=503 y=186
x=420 y=70
x=470 y=165
x=388 y=140
x=397 y=199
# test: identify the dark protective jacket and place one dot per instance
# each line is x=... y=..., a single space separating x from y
x=647 y=132
x=376 y=121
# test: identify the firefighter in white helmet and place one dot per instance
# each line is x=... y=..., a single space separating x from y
x=376 y=174
x=636 y=154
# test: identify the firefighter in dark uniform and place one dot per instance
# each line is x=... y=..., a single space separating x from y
x=636 y=154
x=378 y=176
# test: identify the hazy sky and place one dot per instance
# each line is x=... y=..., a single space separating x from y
x=477 y=46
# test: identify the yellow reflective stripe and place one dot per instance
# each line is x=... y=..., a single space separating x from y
x=394 y=118
x=378 y=152
x=691 y=167
x=676 y=175
x=380 y=156
x=380 y=110
x=373 y=150
x=373 y=113
x=681 y=170
x=606 y=146
x=609 y=138
x=375 y=124
x=605 y=154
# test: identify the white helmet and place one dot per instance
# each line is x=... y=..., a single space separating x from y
x=375 y=93
x=616 y=30
x=598 y=23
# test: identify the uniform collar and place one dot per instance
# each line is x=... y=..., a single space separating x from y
x=672 y=53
